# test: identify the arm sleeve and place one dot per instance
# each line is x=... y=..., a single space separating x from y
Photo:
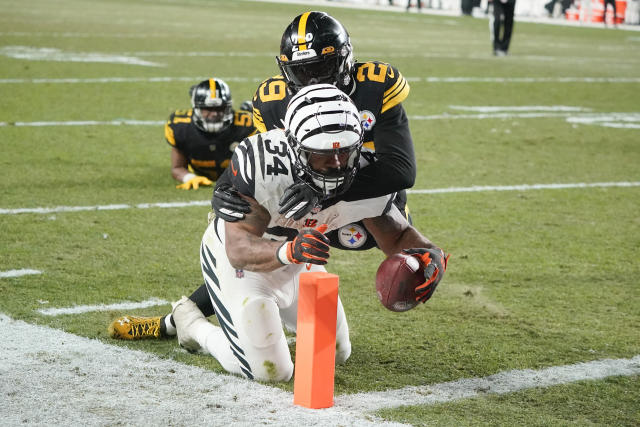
x=395 y=168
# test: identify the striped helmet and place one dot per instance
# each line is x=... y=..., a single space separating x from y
x=323 y=128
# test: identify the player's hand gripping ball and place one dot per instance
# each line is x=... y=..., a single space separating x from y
x=396 y=281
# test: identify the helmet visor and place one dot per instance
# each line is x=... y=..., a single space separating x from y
x=302 y=74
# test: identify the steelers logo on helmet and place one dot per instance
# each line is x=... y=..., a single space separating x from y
x=367 y=119
x=315 y=48
x=212 y=105
x=352 y=236
x=323 y=128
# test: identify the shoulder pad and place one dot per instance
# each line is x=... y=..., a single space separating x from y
x=269 y=103
x=385 y=77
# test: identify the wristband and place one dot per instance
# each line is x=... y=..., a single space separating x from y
x=188 y=177
x=281 y=254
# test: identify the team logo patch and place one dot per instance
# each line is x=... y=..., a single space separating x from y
x=352 y=236
x=367 y=119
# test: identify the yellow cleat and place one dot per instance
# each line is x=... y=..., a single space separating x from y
x=135 y=328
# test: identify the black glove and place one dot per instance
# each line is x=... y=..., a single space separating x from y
x=228 y=205
x=298 y=200
x=310 y=246
x=434 y=264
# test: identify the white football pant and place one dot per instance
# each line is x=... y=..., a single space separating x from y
x=252 y=309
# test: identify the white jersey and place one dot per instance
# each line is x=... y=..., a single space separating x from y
x=262 y=167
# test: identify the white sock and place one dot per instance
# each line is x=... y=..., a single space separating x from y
x=169 y=328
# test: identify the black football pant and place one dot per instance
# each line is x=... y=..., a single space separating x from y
x=613 y=4
x=502 y=24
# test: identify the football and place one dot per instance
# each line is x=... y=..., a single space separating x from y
x=396 y=281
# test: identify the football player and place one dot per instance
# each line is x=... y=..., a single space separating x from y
x=251 y=266
x=203 y=138
x=316 y=48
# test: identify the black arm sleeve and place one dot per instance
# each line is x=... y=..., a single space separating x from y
x=395 y=168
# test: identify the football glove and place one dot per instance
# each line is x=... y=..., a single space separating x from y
x=309 y=246
x=434 y=262
x=228 y=205
x=195 y=182
x=298 y=200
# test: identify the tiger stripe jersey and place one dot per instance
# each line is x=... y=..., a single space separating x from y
x=262 y=167
x=207 y=153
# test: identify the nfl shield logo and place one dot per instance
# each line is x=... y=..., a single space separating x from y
x=239 y=274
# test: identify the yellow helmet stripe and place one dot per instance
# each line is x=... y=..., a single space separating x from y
x=212 y=88
x=302 y=31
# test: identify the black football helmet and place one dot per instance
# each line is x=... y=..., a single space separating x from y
x=315 y=48
x=211 y=103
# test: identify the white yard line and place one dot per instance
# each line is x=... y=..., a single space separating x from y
x=526 y=108
x=104 y=207
x=53 y=54
x=573 y=115
x=87 y=123
x=18 y=273
x=79 y=309
x=521 y=187
x=56 y=378
x=500 y=383
x=414 y=79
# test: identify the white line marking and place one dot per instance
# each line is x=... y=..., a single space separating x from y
x=129 y=80
x=614 y=120
x=500 y=383
x=50 y=377
x=259 y=79
x=495 y=109
x=78 y=309
x=531 y=79
x=585 y=118
x=522 y=187
x=18 y=273
x=486 y=112
x=88 y=123
x=63 y=370
x=105 y=207
x=52 y=54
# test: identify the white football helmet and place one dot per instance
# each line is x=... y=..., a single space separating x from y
x=322 y=121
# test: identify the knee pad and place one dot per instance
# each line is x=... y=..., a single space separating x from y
x=261 y=322
x=269 y=355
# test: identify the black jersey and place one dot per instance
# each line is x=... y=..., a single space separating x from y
x=378 y=91
x=207 y=153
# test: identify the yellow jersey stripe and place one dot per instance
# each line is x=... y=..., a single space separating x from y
x=168 y=134
x=302 y=31
x=258 y=123
x=396 y=94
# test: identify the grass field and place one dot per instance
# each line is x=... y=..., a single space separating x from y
x=538 y=277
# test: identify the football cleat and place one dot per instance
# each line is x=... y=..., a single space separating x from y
x=135 y=328
x=186 y=316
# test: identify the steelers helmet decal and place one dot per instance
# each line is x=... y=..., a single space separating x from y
x=212 y=105
x=315 y=48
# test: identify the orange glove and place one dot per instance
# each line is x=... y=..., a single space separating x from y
x=309 y=246
x=434 y=262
